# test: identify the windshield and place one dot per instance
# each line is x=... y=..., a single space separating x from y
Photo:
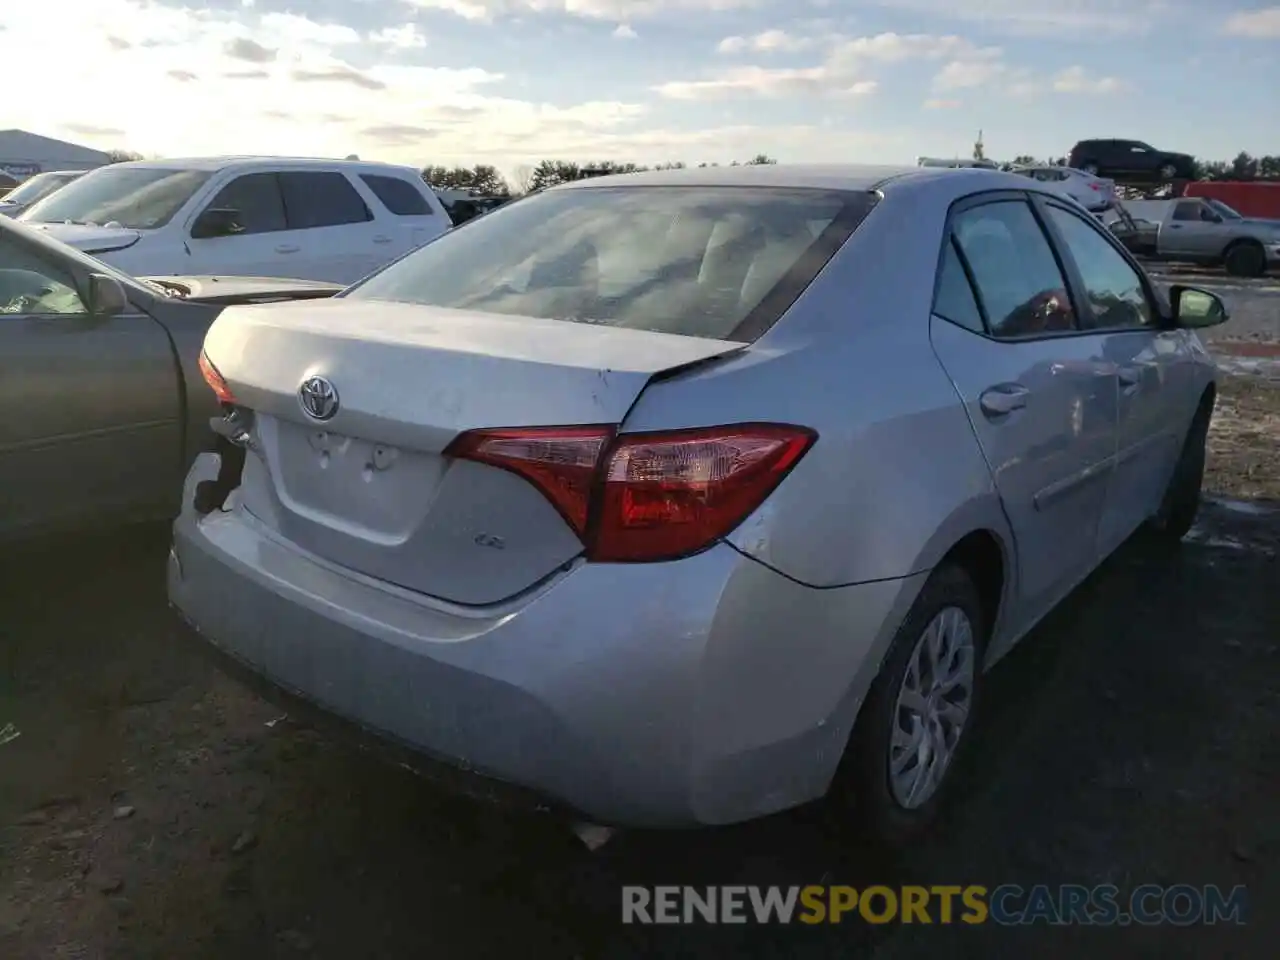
x=720 y=262
x=140 y=198
x=38 y=187
x=1224 y=211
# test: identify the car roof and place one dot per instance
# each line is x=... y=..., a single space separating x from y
x=212 y=164
x=852 y=177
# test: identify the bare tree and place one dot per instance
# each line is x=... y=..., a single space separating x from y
x=523 y=180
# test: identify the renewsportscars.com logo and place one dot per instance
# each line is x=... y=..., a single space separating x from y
x=1007 y=905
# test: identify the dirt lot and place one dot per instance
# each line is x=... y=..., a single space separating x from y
x=151 y=808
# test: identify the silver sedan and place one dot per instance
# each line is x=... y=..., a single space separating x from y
x=687 y=497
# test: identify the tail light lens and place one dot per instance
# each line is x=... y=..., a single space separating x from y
x=559 y=461
x=646 y=497
x=214 y=379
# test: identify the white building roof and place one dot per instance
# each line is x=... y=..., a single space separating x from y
x=21 y=147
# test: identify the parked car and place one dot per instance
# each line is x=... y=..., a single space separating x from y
x=956 y=163
x=327 y=220
x=98 y=372
x=1130 y=160
x=1095 y=194
x=661 y=494
x=1198 y=230
x=34 y=189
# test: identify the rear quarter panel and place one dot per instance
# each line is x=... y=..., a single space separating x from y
x=896 y=477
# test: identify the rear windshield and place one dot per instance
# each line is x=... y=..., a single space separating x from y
x=718 y=262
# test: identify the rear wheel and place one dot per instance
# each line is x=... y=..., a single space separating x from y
x=915 y=726
x=1245 y=258
x=1168 y=171
x=1181 y=500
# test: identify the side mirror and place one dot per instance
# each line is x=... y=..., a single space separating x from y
x=106 y=296
x=217 y=222
x=1195 y=309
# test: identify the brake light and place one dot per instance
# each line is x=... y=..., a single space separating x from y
x=215 y=380
x=559 y=461
x=646 y=497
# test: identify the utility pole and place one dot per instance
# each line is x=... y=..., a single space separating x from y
x=978 y=153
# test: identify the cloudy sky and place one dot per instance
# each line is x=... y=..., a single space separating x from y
x=512 y=81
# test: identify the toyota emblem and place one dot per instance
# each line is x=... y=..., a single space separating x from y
x=319 y=398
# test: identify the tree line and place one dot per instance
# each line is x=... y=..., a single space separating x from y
x=484 y=179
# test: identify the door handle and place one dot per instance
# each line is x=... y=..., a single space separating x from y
x=1175 y=226
x=288 y=248
x=1130 y=378
x=381 y=239
x=1003 y=400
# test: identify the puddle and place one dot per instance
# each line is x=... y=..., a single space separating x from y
x=1245 y=507
x=1205 y=539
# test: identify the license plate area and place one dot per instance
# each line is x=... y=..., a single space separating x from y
x=348 y=482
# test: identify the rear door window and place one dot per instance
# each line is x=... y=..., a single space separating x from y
x=256 y=197
x=1019 y=283
x=1187 y=210
x=955 y=300
x=321 y=199
x=398 y=196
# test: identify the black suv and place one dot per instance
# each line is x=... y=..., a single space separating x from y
x=1130 y=160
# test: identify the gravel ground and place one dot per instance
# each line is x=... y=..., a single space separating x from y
x=151 y=808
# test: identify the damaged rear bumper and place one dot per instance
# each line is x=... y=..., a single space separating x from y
x=703 y=691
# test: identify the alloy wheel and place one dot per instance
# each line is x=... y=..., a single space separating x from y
x=932 y=709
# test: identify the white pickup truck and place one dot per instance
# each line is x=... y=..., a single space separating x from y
x=1198 y=230
x=329 y=220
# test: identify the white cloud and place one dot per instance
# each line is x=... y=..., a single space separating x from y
x=965 y=74
x=624 y=32
x=844 y=70
x=404 y=37
x=765 y=82
x=475 y=10
x=485 y=11
x=1089 y=19
x=157 y=74
x=297 y=86
x=937 y=104
x=306 y=31
x=770 y=41
x=1261 y=24
x=1079 y=80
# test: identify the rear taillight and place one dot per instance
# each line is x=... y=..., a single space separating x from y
x=559 y=461
x=215 y=380
x=651 y=496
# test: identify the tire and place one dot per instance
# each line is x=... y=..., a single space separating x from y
x=1168 y=171
x=864 y=795
x=1181 y=501
x=1245 y=258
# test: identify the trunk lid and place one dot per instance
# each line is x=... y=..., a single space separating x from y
x=226 y=291
x=369 y=488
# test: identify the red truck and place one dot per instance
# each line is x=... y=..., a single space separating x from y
x=1259 y=199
